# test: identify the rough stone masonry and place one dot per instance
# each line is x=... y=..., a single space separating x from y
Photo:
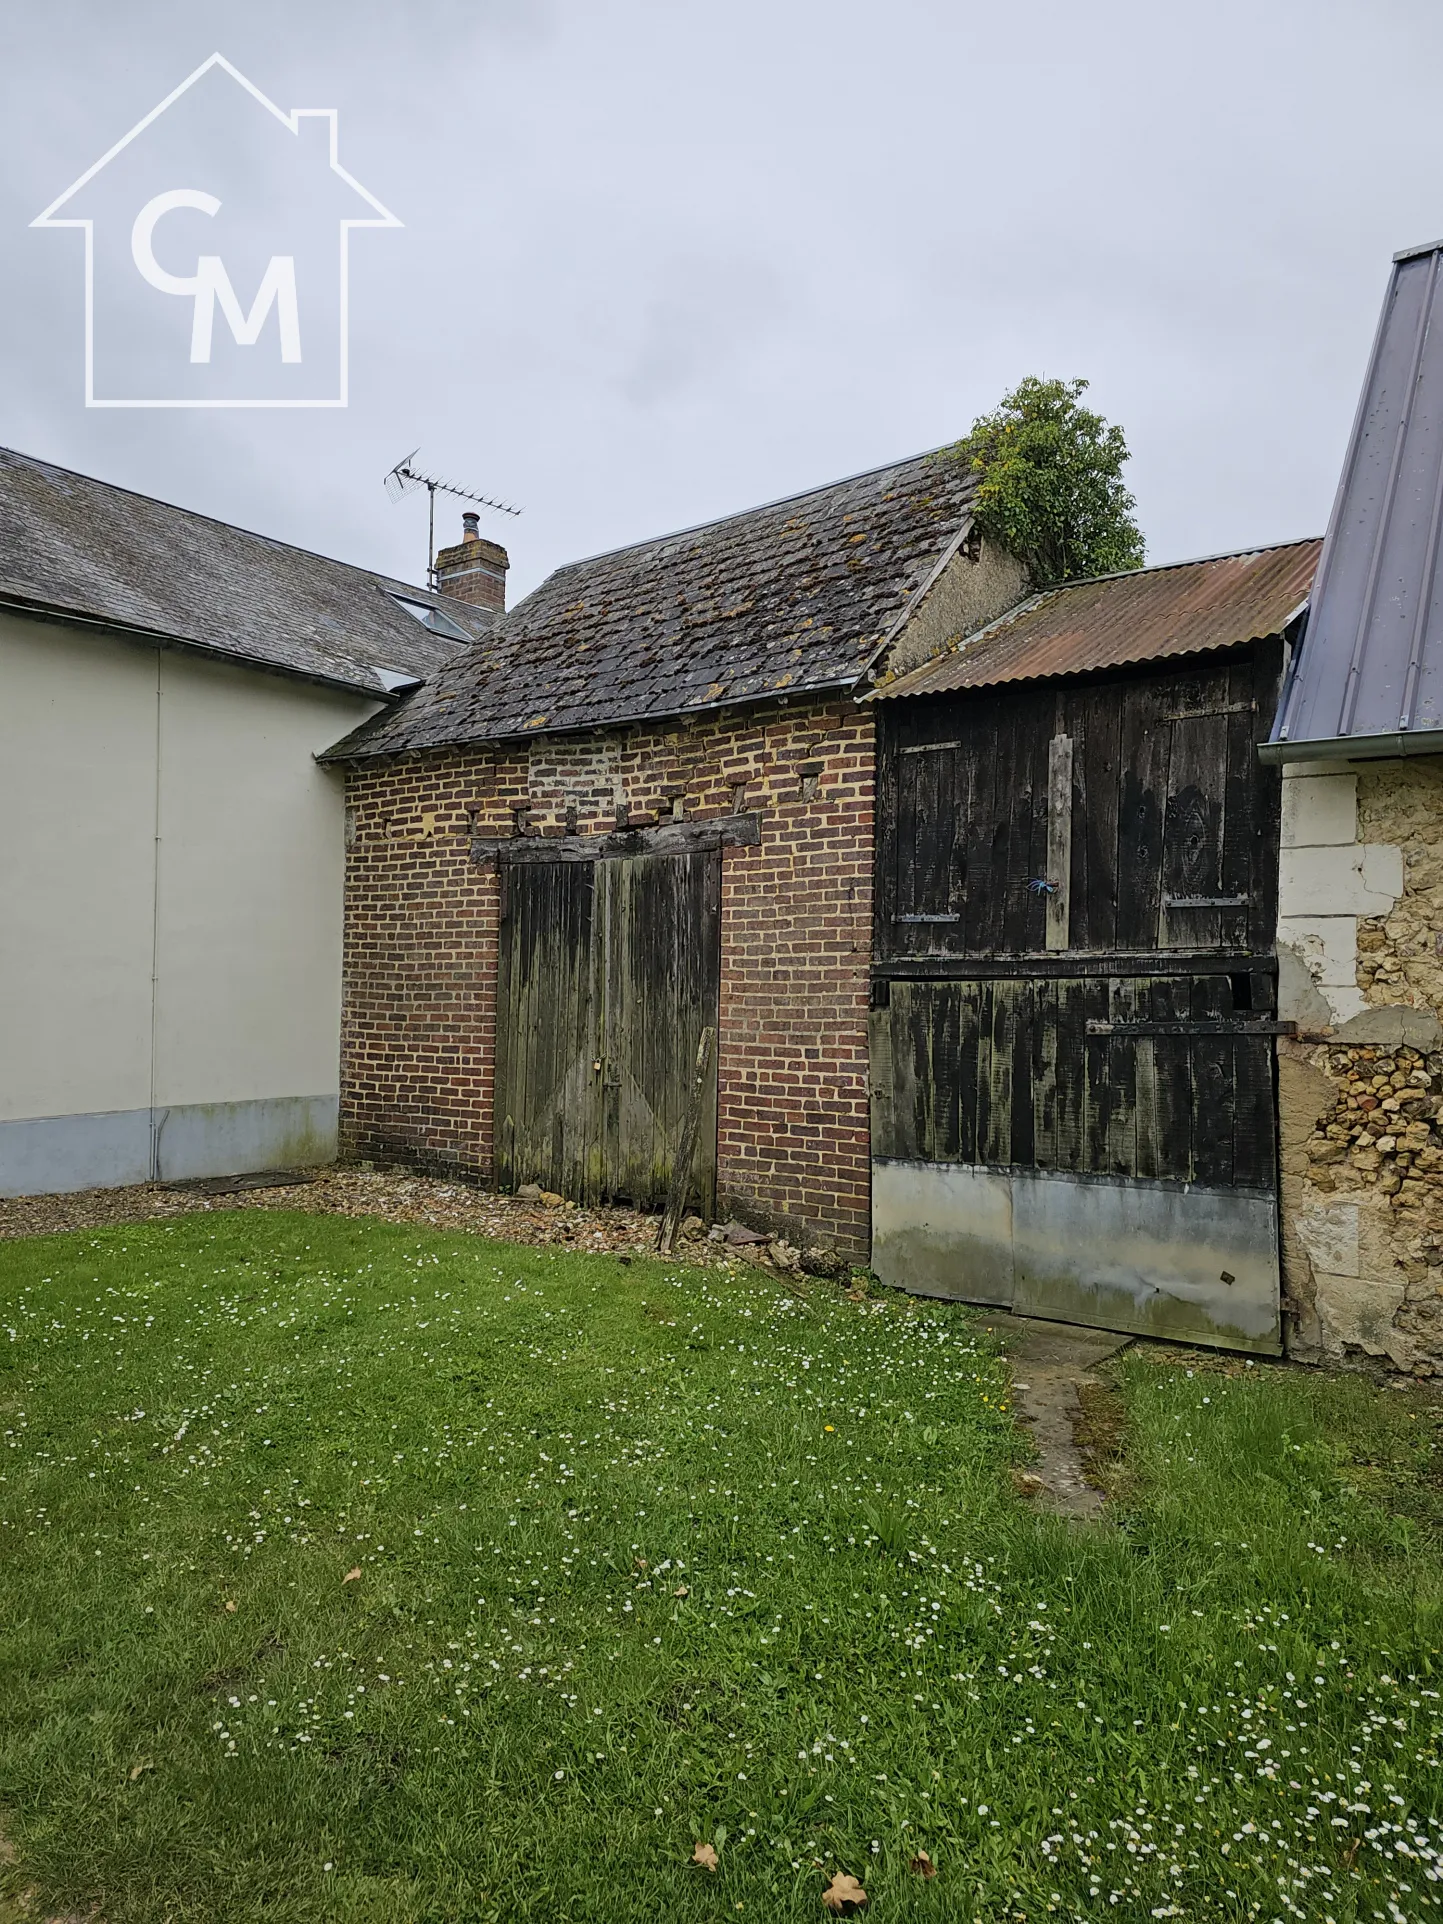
x=1360 y=943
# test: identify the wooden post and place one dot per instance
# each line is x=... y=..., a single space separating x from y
x=1059 y=840
x=686 y=1148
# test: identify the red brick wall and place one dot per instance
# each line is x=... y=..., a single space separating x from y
x=474 y=570
x=421 y=943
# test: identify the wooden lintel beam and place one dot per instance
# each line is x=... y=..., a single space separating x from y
x=1242 y=1025
x=667 y=838
x=1147 y=962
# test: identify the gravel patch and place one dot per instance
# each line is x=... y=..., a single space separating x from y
x=395 y=1196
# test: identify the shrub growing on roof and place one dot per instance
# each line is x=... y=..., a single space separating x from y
x=1050 y=485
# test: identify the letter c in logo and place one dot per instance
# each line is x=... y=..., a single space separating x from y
x=141 y=235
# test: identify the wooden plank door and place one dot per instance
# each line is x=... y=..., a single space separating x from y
x=609 y=971
x=659 y=931
x=1095 y=1149
x=548 y=1124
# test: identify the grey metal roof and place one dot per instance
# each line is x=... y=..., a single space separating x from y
x=78 y=550
x=1111 y=621
x=1368 y=678
x=789 y=598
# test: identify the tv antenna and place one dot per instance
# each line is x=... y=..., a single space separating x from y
x=405 y=478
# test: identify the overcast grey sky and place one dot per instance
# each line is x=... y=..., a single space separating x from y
x=661 y=260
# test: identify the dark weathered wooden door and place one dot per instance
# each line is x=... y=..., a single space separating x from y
x=609 y=971
x=1093 y=1147
x=1074 y=1002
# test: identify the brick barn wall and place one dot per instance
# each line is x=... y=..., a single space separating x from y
x=419 y=1019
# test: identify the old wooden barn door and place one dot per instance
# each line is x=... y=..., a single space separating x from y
x=1072 y=1030
x=609 y=972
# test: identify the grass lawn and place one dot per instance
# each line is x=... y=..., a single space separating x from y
x=354 y=1572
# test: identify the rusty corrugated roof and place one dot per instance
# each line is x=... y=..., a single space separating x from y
x=1149 y=614
x=1368 y=678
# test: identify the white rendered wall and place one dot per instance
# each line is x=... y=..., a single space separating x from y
x=171 y=883
x=251 y=876
x=1326 y=880
x=77 y=799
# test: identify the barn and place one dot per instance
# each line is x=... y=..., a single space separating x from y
x=1074 y=978
x=643 y=810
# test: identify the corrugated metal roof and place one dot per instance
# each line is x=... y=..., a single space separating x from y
x=1368 y=677
x=1111 y=621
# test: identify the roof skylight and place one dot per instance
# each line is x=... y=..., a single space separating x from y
x=436 y=619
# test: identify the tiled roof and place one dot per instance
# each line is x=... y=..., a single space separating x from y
x=78 y=549
x=783 y=599
x=1368 y=677
x=1111 y=621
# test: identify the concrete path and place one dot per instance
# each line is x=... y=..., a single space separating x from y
x=1049 y=1361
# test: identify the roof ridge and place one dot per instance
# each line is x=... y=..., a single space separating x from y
x=1186 y=561
x=760 y=507
x=214 y=520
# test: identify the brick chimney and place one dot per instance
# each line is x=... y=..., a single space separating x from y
x=475 y=569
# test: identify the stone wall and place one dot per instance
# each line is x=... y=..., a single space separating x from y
x=979 y=583
x=1360 y=942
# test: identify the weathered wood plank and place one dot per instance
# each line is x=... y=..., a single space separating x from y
x=981 y=913
x=907 y=830
x=1042 y=1070
x=503 y=1124
x=1151 y=1147
x=1267 y=799
x=1093 y=717
x=1237 y=1027
x=1170 y=1000
x=1145 y=742
x=931 y=968
x=908 y=1061
x=542 y=1088
x=661 y=991
x=888 y=840
x=1192 y=833
x=594 y=1150
x=994 y=1075
x=1058 y=872
x=1074 y=998
x=1021 y=788
x=1242 y=860
x=1119 y=1122
x=882 y=1078
x=969 y=1055
x=685 y=1155
x=945 y=1068
x=1022 y=1151
x=1255 y=1139
x=1214 y=1093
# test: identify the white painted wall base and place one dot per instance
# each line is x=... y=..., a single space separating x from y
x=56 y=1155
